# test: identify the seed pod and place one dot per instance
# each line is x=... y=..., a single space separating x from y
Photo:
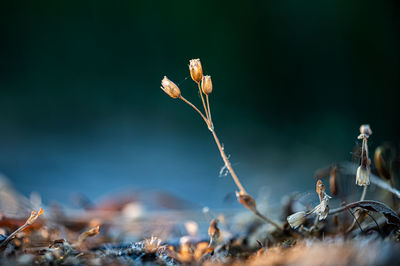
x=196 y=71
x=206 y=85
x=296 y=219
x=362 y=176
x=246 y=200
x=170 y=88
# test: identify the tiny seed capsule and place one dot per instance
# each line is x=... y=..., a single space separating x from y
x=196 y=71
x=170 y=88
x=206 y=85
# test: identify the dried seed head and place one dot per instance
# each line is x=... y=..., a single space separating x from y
x=34 y=216
x=246 y=200
x=196 y=71
x=206 y=85
x=296 y=219
x=170 y=88
x=362 y=176
x=213 y=231
x=365 y=130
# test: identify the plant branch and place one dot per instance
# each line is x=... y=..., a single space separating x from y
x=209 y=112
x=195 y=108
x=227 y=163
x=202 y=99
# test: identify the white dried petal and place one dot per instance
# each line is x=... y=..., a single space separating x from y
x=322 y=209
x=296 y=219
x=362 y=176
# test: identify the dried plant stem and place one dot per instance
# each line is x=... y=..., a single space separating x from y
x=32 y=218
x=13 y=234
x=209 y=111
x=221 y=150
x=202 y=100
x=195 y=108
x=227 y=163
x=363 y=193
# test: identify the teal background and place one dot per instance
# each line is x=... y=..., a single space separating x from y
x=81 y=109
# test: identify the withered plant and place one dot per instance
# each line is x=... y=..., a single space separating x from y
x=205 y=88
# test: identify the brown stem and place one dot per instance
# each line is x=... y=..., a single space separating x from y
x=227 y=163
x=202 y=99
x=10 y=237
x=195 y=108
x=209 y=112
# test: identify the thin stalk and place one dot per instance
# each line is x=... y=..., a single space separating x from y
x=363 y=193
x=202 y=99
x=221 y=150
x=223 y=155
x=195 y=108
x=227 y=163
x=209 y=112
x=10 y=237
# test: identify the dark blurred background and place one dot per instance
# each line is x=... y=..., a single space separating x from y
x=81 y=109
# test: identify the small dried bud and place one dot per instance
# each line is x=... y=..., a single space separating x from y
x=362 y=176
x=206 y=85
x=196 y=71
x=296 y=219
x=213 y=231
x=365 y=130
x=246 y=200
x=170 y=88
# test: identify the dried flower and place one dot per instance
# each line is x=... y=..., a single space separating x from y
x=362 y=176
x=296 y=219
x=322 y=209
x=206 y=85
x=196 y=71
x=90 y=233
x=34 y=216
x=246 y=200
x=170 y=88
